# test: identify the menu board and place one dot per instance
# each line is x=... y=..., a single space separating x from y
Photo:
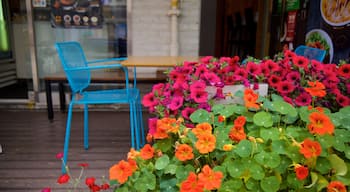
x=328 y=28
x=76 y=13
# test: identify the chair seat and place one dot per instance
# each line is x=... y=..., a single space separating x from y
x=107 y=96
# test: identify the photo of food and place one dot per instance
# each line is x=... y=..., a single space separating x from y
x=318 y=38
x=335 y=12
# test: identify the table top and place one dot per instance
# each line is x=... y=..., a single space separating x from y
x=157 y=61
x=112 y=75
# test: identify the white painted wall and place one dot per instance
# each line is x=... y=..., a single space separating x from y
x=151 y=28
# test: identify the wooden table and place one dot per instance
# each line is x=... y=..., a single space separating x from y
x=116 y=76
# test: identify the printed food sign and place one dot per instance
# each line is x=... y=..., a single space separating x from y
x=76 y=13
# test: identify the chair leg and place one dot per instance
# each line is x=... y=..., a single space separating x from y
x=140 y=120
x=86 y=127
x=132 y=125
x=136 y=126
x=67 y=137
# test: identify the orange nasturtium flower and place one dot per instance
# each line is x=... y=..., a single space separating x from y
x=164 y=126
x=250 y=99
x=133 y=154
x=240 y=121
x=202 y=129
x=210 y=178
x=120 y=171
x=301 y=172
x=184 y=152
x=191 y=184
x=237 y=133
x=320 y=124
x=227 y=147
x=221 y=118
x=147 y=152
x=205 y=143
x=310 y=148
x=336 y=186
x=316 y=89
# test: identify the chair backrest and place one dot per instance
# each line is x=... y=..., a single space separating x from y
x=310 y=52
x=72 y=58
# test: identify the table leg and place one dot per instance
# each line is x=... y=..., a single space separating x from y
x=62 y=97
x=49 y=99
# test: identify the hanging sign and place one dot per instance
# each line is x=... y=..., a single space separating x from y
x=291 y=22
x=76 y=13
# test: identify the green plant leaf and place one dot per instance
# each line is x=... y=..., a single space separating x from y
x=284 y=108
x=228 y=186
x=263 y=118
x=270 y=184
x=257 y=172
x=244 y=148
x=276 y=97
x=216 y=109
x=323 y=165
x=338 y=164
x=183 y=171
x=272 y=133
x=146 y=182
x=200 y=116
x=279 y=146
x=228 y=110
x=164 y=145
x=235 y=168
x=168 y=184
x=321 y=183
x=162 y=162
x=170 y=169
x=314 y=179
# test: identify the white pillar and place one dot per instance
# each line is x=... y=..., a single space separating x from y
x=174 y=12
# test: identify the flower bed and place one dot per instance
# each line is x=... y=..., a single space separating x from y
x=296 y=138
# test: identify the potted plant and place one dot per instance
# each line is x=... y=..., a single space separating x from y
x=264 y=144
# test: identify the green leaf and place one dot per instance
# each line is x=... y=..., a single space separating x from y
x=164 y=145
x=235 y=168
x=200 y=116
x=293 y=182
x=276 y=97
x=257 y=172
x=270 y=184
x=168 y=184
x=272 y=133
x=323 y=165
x=244 y=148
x=228 y=186
x=263 y=119
x=170 y=169
x=321 y=183
x=270 y=159
x=279 y=146
x=162 y=162
x=183 y=171
x=314 y=179
x=228 y=110
x=252 y=185
x=146 y=182
x=338 y=165
x=284 y=108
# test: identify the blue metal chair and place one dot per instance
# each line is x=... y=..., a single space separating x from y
x=78 y=72
x=310 y=52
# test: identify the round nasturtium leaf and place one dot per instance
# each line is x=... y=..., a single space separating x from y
x=263 y=118
x=284 y=108
x=244 y=148
x=200 y=116
x=162 y=162
x=270 y=184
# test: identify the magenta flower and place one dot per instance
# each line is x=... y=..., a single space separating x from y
x=176 y=103
x=59 y=155
x=198 y=85
x=149 y=100
x=342 y=100
x=201 y=69
x=206 y=59
x=205 y=106
x=253 y=68
x=187 y=112
x=211 y=78
x=219 y=93
x=152 y=125
x=304 y=99
x=47 y=189
x=293 y=77
x=199 y=96
x=285 y=87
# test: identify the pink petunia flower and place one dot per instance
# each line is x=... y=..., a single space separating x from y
x=285 y=87
x=187 y=112
x=199 y=96
x=304 y=99
x=176 y=103
x=152 y=125
x=149 y=100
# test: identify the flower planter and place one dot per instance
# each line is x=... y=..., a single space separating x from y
x=229 y=92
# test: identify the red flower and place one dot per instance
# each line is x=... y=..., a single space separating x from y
x=90 y=181
x=199 y=96
x=274 y=80
x=149 y=100
x=344 y=70
x=147 y=152
x=105 y=186
x=95 y=188
x=59 y=155
x=47 y=189
x=221 y=118
x=63 y=179
x=316 y=89
x=83 y=165
x=237 y=133
x=320 y=124
x=300 y=62
x=310 y=148
x=191 y=184
x=285 y=87
x=301 y=172
x=336 y=186
x=211 y=179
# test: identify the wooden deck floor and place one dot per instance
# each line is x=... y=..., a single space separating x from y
x=30 y=143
